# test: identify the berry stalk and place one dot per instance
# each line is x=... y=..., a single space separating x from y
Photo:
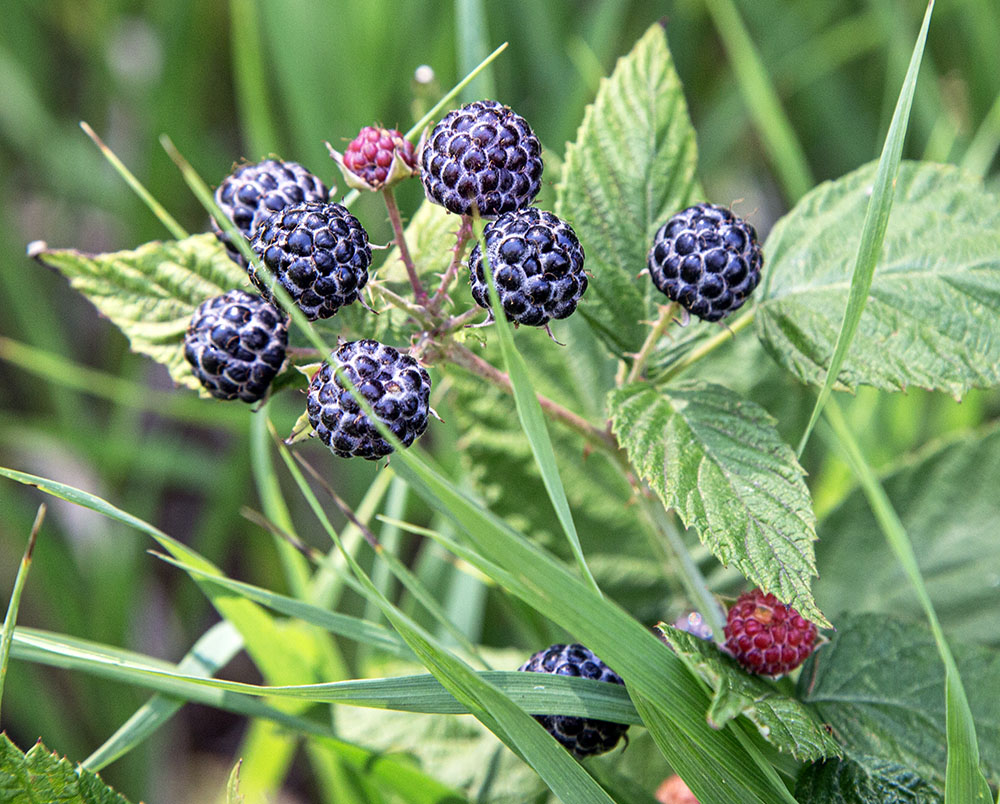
x=419 y=293
x=463 y=235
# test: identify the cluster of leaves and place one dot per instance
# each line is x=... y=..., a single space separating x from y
x=867 y=715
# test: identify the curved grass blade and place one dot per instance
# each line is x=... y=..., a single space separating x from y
x=168 y=220
x=529 y=411
x=876 y=221
x=213 y=649
x=964 y=780
x=522 y=733
x=762 y=100
x=10 y=619
x=353 y=628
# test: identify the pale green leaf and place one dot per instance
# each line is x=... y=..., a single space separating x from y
x=42 y=776
x=784 y=721
x=718 y=461
x=631 y=167
x=430 y=236
x=879 y=683
x=150 y=293
x=932 y=310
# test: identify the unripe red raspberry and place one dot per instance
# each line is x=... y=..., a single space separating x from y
x=375 y=158
x=766 y=636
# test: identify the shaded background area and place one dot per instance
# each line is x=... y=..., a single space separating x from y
x=134 y=70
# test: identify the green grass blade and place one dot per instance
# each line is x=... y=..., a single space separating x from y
x=522 y=733
x=985 y=143
x=250 y=75
x=293 y=563
x=964 y=781
x=529 y=411
x=762 y=100
x=876 y=221
x=353 y=628
x=713 y=763
x=215 y=648
x=471 y=38
x=10 y=619
x=135 y=669
x=67 y=374
x=155 y=206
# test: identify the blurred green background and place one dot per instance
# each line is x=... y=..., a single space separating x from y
x=320 y=71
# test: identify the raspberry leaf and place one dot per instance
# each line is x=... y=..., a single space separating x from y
x=41 y=775
x=931 y=315
x=717 y=459
x=878 y=684
x=631 y=167
x=151 y=292
x=869 y=781
x=947 y=500
x=783 y=720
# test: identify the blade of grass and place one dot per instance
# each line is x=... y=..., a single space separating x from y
x=983 y=148
x=471 y=37
x=762 y=101
x=876 y=221
x=213 y=649
x=522 y=733
x=423 y=694
x=964 y=780
x=250 y=75
x=293 y=563
x=67 y=374
x=353 y=628
x=532 y=420
x=168 y=221
x=10 y=619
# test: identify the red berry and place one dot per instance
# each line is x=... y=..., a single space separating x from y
x=371 y=153
x=766 y=636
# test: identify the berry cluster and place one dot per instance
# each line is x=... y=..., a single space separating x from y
x=767 y=636
x=377 y=157
x=583 y=737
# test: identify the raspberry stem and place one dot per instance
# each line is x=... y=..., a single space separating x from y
x=463 y=236
x=469 y=360
x=641 y=358
x=708 y=346
x=419 y=293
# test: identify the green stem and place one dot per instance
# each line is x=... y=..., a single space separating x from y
x=463 y=235
x=666 y=314
x=708 y=346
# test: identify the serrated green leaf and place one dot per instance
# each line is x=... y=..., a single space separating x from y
x=632 y=166
x=932 y=311
x=871 y=781
x=782 y=720
x=946 y=497
x=718 y=461
x=879 y=684
x=42 y=776
x=150 y=293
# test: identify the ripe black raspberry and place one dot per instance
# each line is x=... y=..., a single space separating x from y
x=253 y=192
x=537 y=265
x=582 y=737
x=371 y=156
x=318 y=252
x=395 y=385
x=236 y=345
x=707 y=260
x=766 y=636
x=482 y=157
